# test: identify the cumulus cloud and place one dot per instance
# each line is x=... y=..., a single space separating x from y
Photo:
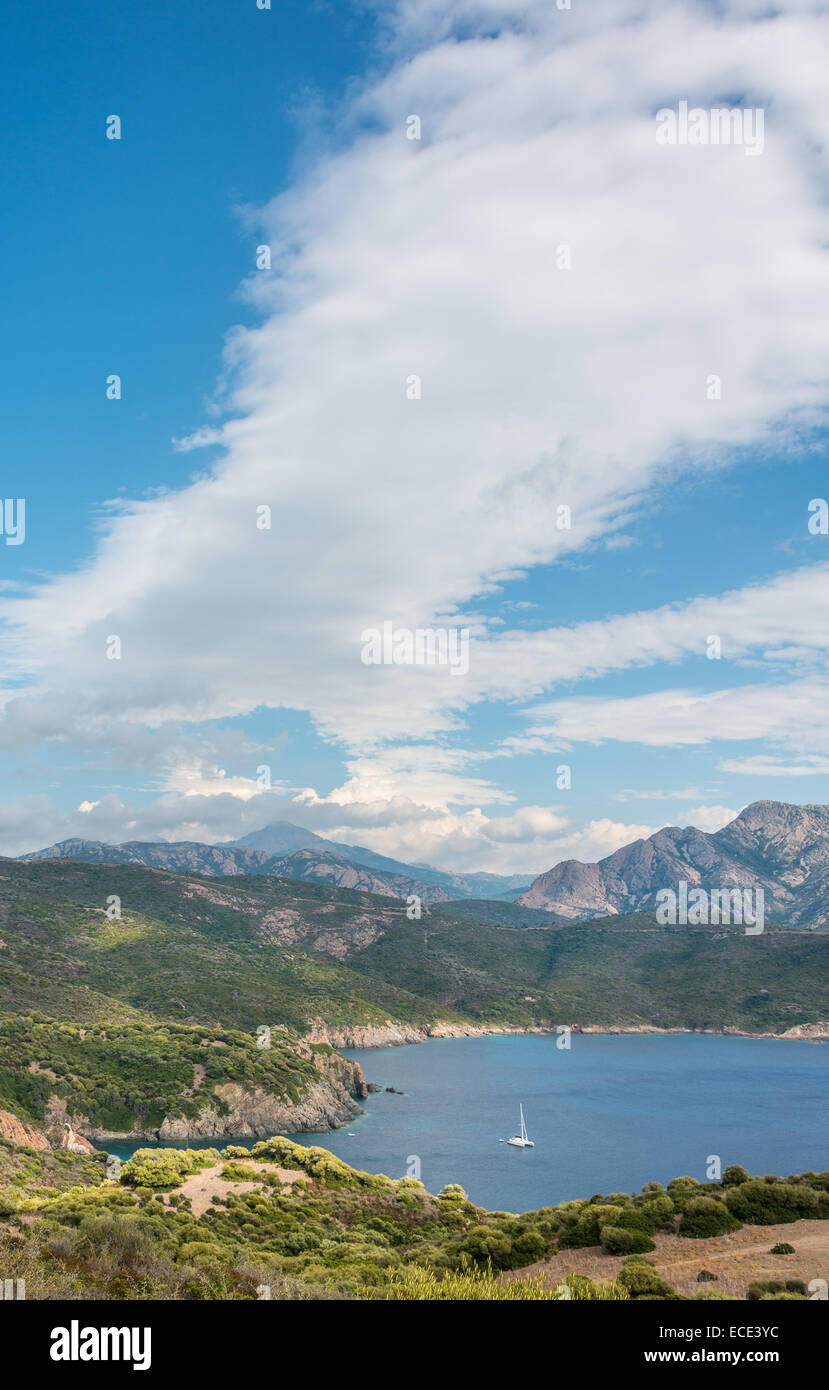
x=598 y=838
x=526 y=841
x=708 y=818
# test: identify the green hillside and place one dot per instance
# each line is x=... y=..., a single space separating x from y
x=288 y=1222
x=105 y=1017
x=244 y=952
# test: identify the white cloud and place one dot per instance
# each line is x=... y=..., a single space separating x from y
x=199 y=779
x=764 y=766
x=435 y=257
x=522 y=842
x=683 y=794
x=790 y=715
x=539 y=387
x=597 y=839
x=199 y=439
x=778 y=623
x=708 y=818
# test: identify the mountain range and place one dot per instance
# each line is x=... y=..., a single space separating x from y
x=772 y=845
x=781 y=848
x=284 y=850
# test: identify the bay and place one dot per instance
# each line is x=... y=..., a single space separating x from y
x=607 y=1115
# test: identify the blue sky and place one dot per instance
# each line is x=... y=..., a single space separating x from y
x=128 y=256
x=392 y=256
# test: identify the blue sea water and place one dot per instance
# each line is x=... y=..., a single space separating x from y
x=608 y=1115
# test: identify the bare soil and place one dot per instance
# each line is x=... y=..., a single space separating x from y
x=202 y=1187
x=737 y=1259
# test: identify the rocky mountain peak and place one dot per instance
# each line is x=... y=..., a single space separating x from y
x=773 y=845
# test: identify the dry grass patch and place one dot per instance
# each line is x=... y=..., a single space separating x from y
x=737 y=1259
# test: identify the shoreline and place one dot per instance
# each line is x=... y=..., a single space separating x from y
x=392 y=1034
x=83 y=1137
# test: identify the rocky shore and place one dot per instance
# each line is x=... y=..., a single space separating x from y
x=328 y=1102
x=803 y=1032
x=393 y=1034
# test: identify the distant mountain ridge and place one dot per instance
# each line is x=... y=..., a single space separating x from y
x=285 y=850
x=781 y=848
x=282 y=836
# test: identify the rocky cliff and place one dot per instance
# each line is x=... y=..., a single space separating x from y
x=18 y=1132
x=328 y=1102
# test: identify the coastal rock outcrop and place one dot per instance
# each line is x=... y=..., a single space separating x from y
x=255 y=1114
x=810 y=1032
x=75 y=1143
x=57 y=1134
x=329 y=1099
x=17 y=1132
x=242 y=1113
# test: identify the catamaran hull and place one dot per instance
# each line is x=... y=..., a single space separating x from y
x=521 y=1143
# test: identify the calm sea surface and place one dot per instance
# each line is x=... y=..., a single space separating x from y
x=608 y=1115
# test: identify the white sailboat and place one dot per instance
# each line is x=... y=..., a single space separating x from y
x=520 y=1141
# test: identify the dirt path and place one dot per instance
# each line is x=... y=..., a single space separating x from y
x=202 y=1187
x=737 y=1259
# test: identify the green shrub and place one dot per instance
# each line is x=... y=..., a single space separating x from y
x=705 y=1216
x=658 y=1213
x=764 y=1288
x=641 y=1280
x=529 y=1246
x=413 y=1283
x=161 y=1169
x=734 y=1175
x=685 y=1184
x=759 y=1203
x=624 y=1242
x=706 y=1277
x=198 y=1250
x=633 y=1219
x=486 y=1245
x=586 y=1230
x=783 y=1248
